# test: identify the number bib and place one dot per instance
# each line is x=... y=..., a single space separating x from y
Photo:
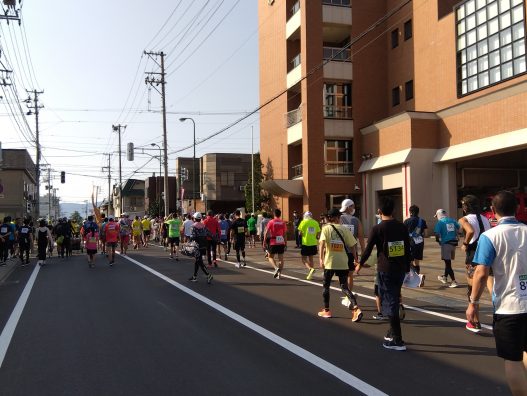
x=311 y=230
x=223 y=232
x=241 y=230
x=280 y=240
x=521 y=286
x=336 y=245
x=450 y=227
x=350 y=227
x=418 y=239
x=396 y=249
x=3 y=230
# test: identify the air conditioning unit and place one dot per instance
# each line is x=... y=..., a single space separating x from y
x=132 y=208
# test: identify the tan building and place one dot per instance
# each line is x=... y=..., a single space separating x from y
x=17 y=184
x=439 y=99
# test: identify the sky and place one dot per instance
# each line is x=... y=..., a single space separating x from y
x=88 y=59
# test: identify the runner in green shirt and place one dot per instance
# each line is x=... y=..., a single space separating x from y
x=309 y=229
x=251 y=226
x=173 y=223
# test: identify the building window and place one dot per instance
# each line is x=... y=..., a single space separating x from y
x=337 y=100
x=490 y=43
x=338 y=157
x=395 y=38
x=396 y=97
x=408 y=30
x=227 y=178
x=409 y=89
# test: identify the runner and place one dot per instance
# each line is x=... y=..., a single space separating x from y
x=309 y=230
x=445 y=232
x=174 y=224
x=199 y=235
x=187 y=227
x=251 y=226
x=276 y=232
x=136 y=232
x=224 y=234
x=91 y=240
x=473 y=224
x=25 y=241
x=335 y=243
x=393 y=254
x=238 y=232
x=146 y=230
x=112 y=231
x=263 y=226
x=416 y=227
x=5 y=231
x=214 y=230
x=102 y=235
x=296 y=222
x=125 y=230
x=43 y=239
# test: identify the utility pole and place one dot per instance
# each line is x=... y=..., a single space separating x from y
x=252 y=167
x=11 y=12
x=34 y=109
x=154 y=82
x=117 y=128
x=49 y=194
x=109 y=181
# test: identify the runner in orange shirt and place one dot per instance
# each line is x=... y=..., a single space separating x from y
x=112 y=230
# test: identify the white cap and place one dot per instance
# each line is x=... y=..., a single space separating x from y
x=346 y=204
x=197 y=215
x=308 y=214
x=440 y=213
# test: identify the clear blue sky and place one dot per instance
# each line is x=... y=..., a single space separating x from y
x=88 y=58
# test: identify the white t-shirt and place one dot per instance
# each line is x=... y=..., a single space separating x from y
x=187 y=227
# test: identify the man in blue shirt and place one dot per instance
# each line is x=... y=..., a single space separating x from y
x=445 y=232
x=504 y=249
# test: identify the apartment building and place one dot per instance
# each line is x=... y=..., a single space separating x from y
x=439 y=97
x=306 y=131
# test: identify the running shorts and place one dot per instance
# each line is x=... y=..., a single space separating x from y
x=448 y=252
x=307 y=251
x=277 y=249
x=510 y=333
x=173 y=241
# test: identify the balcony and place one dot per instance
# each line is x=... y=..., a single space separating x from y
x=293 y=117
x=296 y=171
x=338 y=168
x=338 y=112
x=336 y=12
x=295 y=72
x=336 y=54
x=341 y=3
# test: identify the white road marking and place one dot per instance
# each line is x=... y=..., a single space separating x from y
x=9 y=329
x=309 y=357
x=425 y=311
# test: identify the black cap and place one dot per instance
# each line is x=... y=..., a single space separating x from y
x=334 y=212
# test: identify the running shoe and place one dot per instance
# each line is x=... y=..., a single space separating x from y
x=310 y=274
x=325 y=313
x=379 y=316
x=346 y=301
x=276 y=273
x=473 y=327
x=171 y=256
x=453 y=284
x=422 y=281
x=244 y=263
x=388 y=336
x=209 y=278
x=394 y=345
x=226 y=256
x=442 y=279
x=357 y=314
x=279 y=275
x=238 y=265
x=193 y=279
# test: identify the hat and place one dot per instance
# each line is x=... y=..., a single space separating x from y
x=334 y=212
x=145 y=217
x=308 y=214
x=440 y=213
x=110 y=218
x=346 y=204
x=197 y=216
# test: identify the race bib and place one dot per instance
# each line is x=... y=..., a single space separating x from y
x=241 y=230
x=396 y=249
x=311 y=230
x=418 y=239
x=24 y=230
x=223 y=232
x=521 y=286
x=336 y=245
x=3 y=230
x=450 y=227
x=350 y=227
x=173 y=227
x=92 y=240
x=280 y=239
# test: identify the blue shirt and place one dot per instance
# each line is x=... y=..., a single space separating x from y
x=447 y=229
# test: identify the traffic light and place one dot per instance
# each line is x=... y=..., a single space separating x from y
x=63 y=177
x=130 y=151
x=28 y=207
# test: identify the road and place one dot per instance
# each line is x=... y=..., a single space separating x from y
x=141 y=328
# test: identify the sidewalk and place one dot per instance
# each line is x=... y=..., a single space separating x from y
x=433 y=292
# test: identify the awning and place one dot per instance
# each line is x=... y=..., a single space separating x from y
x=284 y=188
x=385 y=161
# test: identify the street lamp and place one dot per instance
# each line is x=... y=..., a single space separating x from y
x=158 y=186
x=193 y=159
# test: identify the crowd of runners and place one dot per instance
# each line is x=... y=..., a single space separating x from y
x=338 y=240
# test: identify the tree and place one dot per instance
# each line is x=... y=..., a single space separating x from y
x=76 y=216
x=261 y=198
x=154 y=208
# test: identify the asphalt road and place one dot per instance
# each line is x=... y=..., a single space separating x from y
x=141 y=328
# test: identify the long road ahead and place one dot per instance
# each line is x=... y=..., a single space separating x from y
x=141 y=328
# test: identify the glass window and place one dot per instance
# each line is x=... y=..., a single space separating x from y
x=338 y=157
x=408 y=30
x=409 y=90
x=490 y=42
x=395 y=38
x=396 y=97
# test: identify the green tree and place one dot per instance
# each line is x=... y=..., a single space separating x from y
x=154 y=209
x=76 y=216
x=261 y=198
